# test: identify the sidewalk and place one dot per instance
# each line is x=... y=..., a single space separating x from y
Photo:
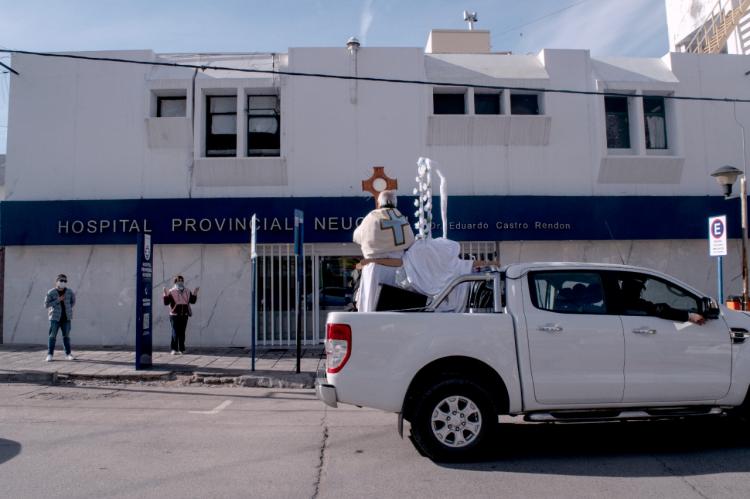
x=274 y=367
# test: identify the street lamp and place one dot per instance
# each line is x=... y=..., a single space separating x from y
x=726 y=176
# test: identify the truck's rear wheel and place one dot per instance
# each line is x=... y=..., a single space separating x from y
x=453 y=420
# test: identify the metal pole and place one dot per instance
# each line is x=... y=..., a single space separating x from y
x=720 y=284
x=299 y=251
x=743 y=204
x=253 y=287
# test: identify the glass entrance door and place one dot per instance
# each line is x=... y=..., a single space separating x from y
x=335 y=290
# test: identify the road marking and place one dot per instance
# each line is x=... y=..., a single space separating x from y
x=215 y=410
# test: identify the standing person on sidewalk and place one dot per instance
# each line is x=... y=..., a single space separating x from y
x=59 y=303
x=179 y=298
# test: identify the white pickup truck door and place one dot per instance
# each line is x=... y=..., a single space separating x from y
x=666 y=359
x=576 y=349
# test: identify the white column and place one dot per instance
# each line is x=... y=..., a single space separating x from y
x=241 y=123
x=637 y=127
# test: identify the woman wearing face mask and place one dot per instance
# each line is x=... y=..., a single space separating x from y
x=179 y=298
x=59 y=303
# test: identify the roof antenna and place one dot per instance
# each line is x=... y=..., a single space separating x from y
x=471 y=18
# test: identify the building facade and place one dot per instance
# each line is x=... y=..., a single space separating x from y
x=99 y=151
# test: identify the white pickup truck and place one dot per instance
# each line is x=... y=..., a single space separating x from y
x=553 y=342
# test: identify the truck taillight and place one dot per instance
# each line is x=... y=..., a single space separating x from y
x=338 y=346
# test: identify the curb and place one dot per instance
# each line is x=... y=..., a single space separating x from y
x=260 y=379
x=43 y=378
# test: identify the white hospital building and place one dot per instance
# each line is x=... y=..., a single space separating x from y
x=99 y=151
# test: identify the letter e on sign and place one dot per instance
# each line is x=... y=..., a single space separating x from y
x=717 y=235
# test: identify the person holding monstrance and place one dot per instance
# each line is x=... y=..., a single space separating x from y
x=383 y=236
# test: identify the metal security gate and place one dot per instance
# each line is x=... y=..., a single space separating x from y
x=481 y=250
x=327 y=287
x=276 y=289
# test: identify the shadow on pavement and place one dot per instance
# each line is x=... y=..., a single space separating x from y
x=8 y=449
x=687 y=447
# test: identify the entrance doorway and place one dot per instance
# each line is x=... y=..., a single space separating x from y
x=328 y=287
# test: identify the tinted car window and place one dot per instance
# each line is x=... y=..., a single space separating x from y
x=641 y=294
x=568 y=292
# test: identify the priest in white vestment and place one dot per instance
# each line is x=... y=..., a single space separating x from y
x=384 y=235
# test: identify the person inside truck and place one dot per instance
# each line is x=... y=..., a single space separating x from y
x=632 y=303
x=383 y=236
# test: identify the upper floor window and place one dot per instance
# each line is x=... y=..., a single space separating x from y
x=221 y=125
x=263 y=125
x=524 y=104
x=171 y=107
x=448 y=103
x=655 y=124
x=617 y=122
x=487 y=103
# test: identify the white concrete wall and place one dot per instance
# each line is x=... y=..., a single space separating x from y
x=103 y=278
x=87 y=126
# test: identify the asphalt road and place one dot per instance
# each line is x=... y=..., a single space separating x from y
x=173 y=441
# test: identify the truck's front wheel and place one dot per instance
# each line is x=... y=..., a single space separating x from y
x=453 y=420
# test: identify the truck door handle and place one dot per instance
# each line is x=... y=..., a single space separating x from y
x=644 y=330
x=551 y=328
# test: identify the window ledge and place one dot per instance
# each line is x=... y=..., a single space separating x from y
x=488 y=129
x=244 y=172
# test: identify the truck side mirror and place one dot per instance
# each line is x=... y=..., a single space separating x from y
x=709 y=309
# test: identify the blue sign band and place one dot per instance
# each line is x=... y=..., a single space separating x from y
x=472 y=218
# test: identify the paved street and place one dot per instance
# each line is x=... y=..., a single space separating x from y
x=166 y=440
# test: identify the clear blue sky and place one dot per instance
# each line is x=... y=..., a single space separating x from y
x=606 y=27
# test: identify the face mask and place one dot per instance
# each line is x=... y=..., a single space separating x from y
x=180 y=286
x=60 y=285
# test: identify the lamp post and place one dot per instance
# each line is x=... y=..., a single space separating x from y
x=726 y=176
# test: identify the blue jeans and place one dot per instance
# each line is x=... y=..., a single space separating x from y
x=53 y=327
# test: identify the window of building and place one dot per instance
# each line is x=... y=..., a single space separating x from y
x=171 y=107
x=617 y=122
x=448 y=103
x=524 y=104
x=263 y=125
x=487 y=103
x=221 y=126
x=655 y=123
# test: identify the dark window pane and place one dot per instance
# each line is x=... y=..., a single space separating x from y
x=487 y=103
x=617 y=122
x=568 y=292
x=616 y=104
x=655 y=122
x=640 y=294
x=448 y=104
x=524 y=104
x=653 y=105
